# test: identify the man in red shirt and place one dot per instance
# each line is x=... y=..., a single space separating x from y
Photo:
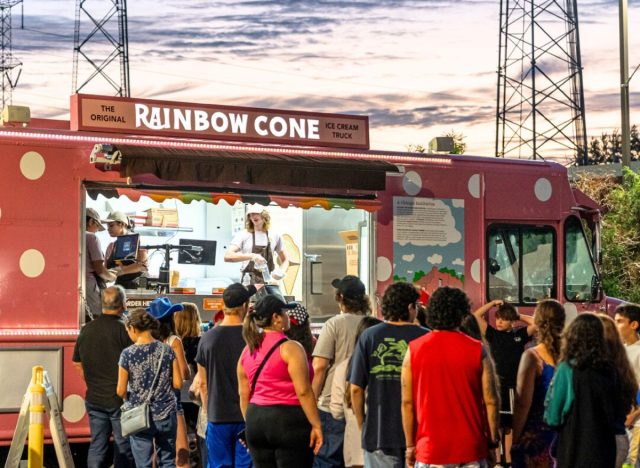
x=450 y=402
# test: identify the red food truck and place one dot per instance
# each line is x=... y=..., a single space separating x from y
x=500 y=229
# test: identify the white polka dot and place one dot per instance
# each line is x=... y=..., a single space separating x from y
x=570 y=312
x=32 y=263
x=474 y=185
x=475 y=270
x=543 y=189
x=74 y=408
x=412 y=183
x=32 y=165
x=383 y=269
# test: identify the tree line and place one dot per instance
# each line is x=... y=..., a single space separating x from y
x=607 y=149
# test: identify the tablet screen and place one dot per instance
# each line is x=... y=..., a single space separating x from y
x=126 y=247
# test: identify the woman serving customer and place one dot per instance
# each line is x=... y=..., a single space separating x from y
x=128 y=271
x=255 y=246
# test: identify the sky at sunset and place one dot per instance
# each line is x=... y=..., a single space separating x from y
x=417 y=68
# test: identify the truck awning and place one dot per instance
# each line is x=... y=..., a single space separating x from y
x=254 y=168
x=187 y=196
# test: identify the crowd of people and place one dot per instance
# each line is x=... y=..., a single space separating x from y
x=458 y=392
x=261 y=390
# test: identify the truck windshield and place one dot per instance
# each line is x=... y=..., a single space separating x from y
x=579 y=268
x=520 y=263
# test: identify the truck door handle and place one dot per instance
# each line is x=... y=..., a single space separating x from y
x=312 y=269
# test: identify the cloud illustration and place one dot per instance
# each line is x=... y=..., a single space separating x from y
x=435 y=259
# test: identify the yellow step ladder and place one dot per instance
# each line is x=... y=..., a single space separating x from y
x=40 y=400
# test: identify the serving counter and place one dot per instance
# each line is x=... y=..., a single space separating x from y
x=208 y=304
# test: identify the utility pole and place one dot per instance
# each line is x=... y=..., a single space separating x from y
x=624 y=86
x=540 y=109
x=101 y=48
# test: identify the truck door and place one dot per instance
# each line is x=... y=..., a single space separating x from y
x=325 y=255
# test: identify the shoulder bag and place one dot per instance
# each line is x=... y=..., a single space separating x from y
x=138 y=418
x=264 y=361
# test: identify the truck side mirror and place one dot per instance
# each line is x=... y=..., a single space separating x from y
x=494 y=266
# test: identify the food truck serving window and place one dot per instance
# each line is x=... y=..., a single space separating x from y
x=521 y=263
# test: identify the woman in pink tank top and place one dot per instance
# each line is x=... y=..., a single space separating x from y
x=276 y=399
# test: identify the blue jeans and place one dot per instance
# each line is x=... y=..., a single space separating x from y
x=330 y=454
x=223 y=448
x=102 y=423
x=163 y=433
x=379 y=459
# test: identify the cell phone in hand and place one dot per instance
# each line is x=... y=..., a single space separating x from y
x=242 y=437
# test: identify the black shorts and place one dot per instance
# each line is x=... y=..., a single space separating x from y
x=507 y=395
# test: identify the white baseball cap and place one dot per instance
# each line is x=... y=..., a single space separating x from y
x=118 y=216
x=255 y=209
x=93 y=214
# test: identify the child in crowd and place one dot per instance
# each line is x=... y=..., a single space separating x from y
x=627 y=317
x=506 y=344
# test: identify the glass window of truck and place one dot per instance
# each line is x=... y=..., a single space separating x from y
x=521 y=265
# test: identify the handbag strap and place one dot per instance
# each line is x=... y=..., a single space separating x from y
x=155 y=377
x=264 y=361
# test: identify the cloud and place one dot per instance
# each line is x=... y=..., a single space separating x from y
x=609 y=101
x=458 y=261
x=435 y=259
x=409 y=257
x=457 y=203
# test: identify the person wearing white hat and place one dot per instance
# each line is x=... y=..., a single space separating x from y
x=129 y=271
x=96 y=274
x=256 y=245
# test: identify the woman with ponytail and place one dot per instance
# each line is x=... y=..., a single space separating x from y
x=276 y=400
x=532 y=438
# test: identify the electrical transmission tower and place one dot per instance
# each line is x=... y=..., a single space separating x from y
x=101 y=52
x=540 y=109
x=10 y=67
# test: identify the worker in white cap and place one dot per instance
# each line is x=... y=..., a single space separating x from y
x=256 y=246
x=127 y=271
x=96 y=274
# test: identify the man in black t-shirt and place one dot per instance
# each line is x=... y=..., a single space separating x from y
x=96 y=356
x=218 y=354
x=376 y=366
x=507 y=344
